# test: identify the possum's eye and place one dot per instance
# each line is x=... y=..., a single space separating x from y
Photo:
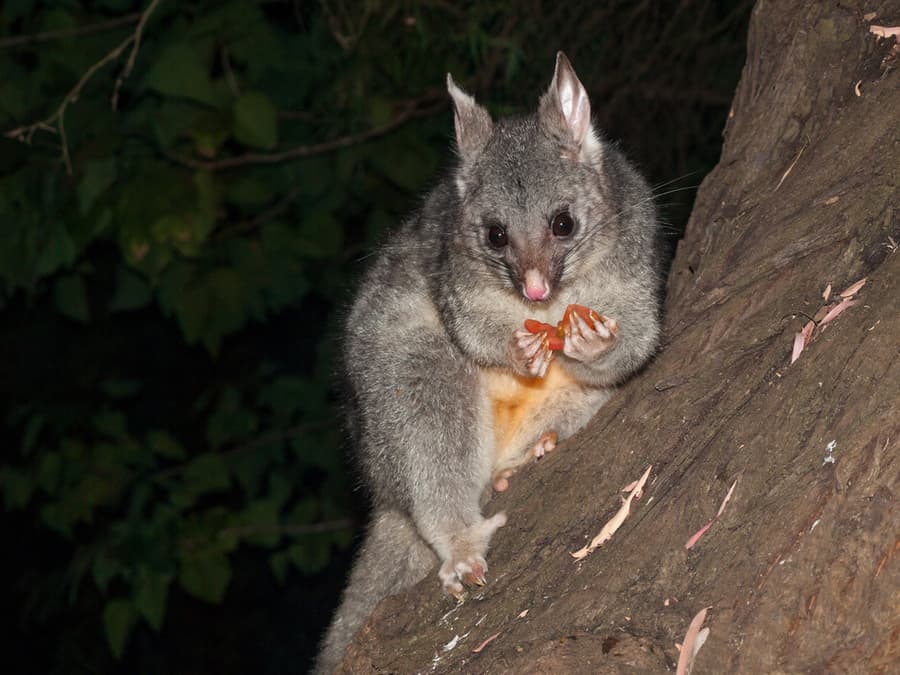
x=562 y=224
x=497 y=236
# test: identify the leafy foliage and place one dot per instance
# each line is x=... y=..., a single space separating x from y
x=170 y=262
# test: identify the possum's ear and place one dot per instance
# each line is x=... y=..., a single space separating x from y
x=473 y=123
x=565 y=110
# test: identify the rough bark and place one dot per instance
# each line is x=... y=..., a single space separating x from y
x=801 y=571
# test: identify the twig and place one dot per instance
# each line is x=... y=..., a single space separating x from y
x=129 y=65
x=229 y=73
x=411 y=112
x=56 y=121
x=24 y=40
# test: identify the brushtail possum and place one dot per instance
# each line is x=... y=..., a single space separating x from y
x=450 y=393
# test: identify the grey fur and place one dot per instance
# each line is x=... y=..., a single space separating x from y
x=436 y=314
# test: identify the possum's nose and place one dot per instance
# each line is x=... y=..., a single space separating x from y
x=536 y=286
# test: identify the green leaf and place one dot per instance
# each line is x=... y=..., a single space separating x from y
x=17 y=487
x=58 y=519
x=321 y=234
x=288 y=395
x=231 y=420
x=210 y=131
x=314 y=176
x=255 y=120
x=58 y=250
x=262 y=515
x=249 y=191
x=119 y=618
x=49 y=471
x=205 y=578
x=104 y=569
x=181 y=73
x=206 y=473
x=250 y=469
x=70 y=295
x=120 y=388
x=111 y=423
x=132 y=291
x=192 y=309
x=151 y=593
x=279 y=562
x=98 y=176
x=215 y=306
x=405 y=160
x=32 y=432
x=380 y=111
x=164 y=444
x=312 y=555
x=12 y=100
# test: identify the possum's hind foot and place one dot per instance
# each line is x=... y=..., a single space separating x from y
x=466 y=564
x=546 y=443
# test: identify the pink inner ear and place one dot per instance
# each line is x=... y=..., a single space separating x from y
x=576 y=108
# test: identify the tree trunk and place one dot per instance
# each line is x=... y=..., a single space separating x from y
x=801 y=570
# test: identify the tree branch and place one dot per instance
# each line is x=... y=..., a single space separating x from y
x=99 y=27
x=56 y=121
x=129 y=65
x=411 y=111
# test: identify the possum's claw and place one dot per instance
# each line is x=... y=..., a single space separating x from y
x=530 y=353
x=588 y=340
x=467 y=565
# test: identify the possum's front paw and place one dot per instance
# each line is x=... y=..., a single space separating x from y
x=466 y=564
x=588 y=339
x=529 y=353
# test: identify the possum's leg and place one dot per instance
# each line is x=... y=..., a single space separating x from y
x=427 y=442
x=393 y=557
x=563 y=412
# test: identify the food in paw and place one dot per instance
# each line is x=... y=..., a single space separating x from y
x=555 y=340
x=586 y=313
x=556 y=334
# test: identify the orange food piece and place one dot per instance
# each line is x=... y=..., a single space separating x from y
x=555 y=341
x=556 y=334
x=586 y=313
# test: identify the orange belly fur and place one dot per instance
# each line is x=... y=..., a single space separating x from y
x=514 y=401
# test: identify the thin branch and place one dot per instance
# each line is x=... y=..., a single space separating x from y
x=129 y=65
x=56 y=121
x=412 y=111
x=229 y=73
x=24 y=40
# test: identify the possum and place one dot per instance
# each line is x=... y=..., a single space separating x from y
x=449 y=394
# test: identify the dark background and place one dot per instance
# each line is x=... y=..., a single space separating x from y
x=177 y=494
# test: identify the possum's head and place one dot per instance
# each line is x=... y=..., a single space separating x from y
x=531 y=189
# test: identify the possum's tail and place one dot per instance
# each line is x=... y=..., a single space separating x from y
x=393 y=557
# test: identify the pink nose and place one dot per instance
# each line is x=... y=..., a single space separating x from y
x=536 y=286
x=537 y=292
